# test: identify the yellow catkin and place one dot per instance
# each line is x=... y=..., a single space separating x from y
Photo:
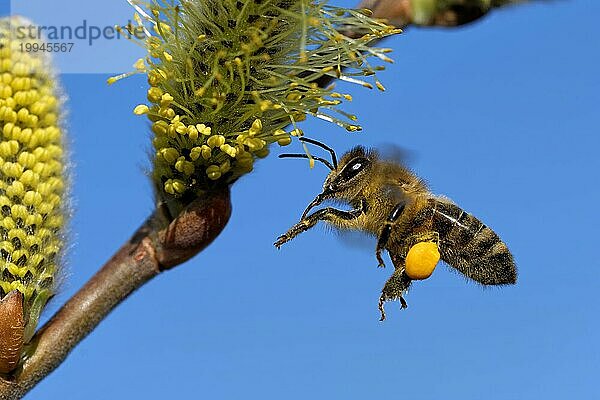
x=31 y=174
x=223 y=84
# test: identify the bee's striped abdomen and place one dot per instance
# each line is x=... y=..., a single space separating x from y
x=471 y=247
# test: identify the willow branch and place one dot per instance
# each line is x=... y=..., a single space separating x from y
x=152 y=249
x=440 y=13
x=161 y=244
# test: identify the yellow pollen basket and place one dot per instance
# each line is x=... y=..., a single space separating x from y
x=421 y=260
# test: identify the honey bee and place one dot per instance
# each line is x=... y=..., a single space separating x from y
x=393 y=204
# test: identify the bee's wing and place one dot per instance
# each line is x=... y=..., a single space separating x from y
x=398 y=154
x=357 y=240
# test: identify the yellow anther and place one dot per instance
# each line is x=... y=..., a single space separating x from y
x=140 y=65
x=174 y=186
x=155 y=94
x=19 y=211
x=256 y=127
x=254 y=144
x=9 y=148
x=195 y=153
x=284 y=141
x=166 y=100
x=213 y=172
x=141 y=109
x=203 y=129
x=192 y=132
x=206 y=152
x=32 y=198
x=169 y=154
x=30 y=178
x=228 y=149
x=216 y=141
x=182 y=165
x=160 y=128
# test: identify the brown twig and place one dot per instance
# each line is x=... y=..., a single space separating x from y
x=440 y=13
x=149 y=251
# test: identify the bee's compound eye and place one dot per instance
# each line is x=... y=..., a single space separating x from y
x=354 y=168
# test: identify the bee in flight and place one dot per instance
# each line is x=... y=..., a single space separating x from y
x=390 y=202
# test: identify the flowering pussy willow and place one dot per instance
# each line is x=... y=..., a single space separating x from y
x=228 y=76
x=31 y=176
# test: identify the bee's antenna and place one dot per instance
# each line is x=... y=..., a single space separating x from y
x=327 y=163
x=323 y=146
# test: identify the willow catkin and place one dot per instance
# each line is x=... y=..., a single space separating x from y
x=32 y=175
x=228 y=77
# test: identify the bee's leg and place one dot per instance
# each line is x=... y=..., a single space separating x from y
x=329 y=214
x=385 y=232
x=393 y=289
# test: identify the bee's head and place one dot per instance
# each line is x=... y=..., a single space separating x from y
x=346 y=179
x=351 y=175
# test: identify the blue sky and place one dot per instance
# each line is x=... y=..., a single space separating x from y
x=502 y=117
x=89 y=27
